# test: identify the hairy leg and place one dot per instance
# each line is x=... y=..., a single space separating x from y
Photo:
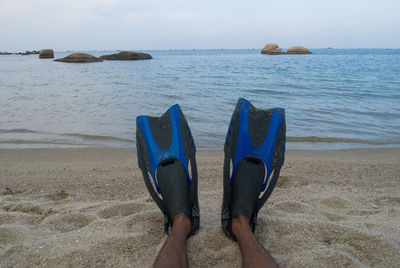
x=173 y=253
x=253 y=253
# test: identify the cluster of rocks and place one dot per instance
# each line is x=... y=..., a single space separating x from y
x=273 y=49
x=28 y=52
x=124 y=55
x=20 y=53
x=84 y=57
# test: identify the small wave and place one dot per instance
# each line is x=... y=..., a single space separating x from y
x=341 y=140
x=98 y=137
x=40 y=84
x=377 y=114
x=119 y=83
x=269 y=91
x=18 y=130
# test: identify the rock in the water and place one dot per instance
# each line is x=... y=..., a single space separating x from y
x=127 y=55
x=79 y=58
x=298 y=50
x=27 y=52
x=46 y=54
x=5 y=53
x=271 y=49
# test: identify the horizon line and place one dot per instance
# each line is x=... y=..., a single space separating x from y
x=166 y=49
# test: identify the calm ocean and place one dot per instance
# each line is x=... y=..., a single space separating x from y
x=334 y=98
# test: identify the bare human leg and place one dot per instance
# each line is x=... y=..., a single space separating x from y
x=174 y=253
x=253 y=253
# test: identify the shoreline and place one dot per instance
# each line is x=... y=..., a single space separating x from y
x=90 y=207
x=290 y=146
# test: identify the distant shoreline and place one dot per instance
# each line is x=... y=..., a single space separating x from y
x=13 y=52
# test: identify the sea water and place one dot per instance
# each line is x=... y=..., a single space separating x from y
x=334 y=98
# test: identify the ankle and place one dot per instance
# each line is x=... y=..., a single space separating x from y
x=181 y=225
x=240 y=225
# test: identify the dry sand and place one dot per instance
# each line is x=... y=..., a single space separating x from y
x=90 y=208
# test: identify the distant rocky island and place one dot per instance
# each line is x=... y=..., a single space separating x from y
x=273 y=49
x=20 y=53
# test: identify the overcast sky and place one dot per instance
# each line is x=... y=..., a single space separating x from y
x=176 y=24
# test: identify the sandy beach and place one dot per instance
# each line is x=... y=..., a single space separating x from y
x=90 y=208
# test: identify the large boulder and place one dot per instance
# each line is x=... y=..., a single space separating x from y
x=79 y=58
x=298 y=50
x=271 y=49
x=127 y=55
x=46 y=54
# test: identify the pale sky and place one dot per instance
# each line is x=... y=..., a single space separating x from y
x=183 y=24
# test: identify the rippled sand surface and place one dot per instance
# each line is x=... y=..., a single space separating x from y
x=90 y=208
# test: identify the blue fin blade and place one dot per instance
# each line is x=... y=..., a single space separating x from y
x=175 y=150
x=245 y=148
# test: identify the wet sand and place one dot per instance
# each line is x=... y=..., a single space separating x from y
x=90 y=208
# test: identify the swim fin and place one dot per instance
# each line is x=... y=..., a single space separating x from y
x=165 y=147
x=255 y=146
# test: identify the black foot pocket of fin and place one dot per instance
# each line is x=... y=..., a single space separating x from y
x=174 y=187
x=246 y=187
